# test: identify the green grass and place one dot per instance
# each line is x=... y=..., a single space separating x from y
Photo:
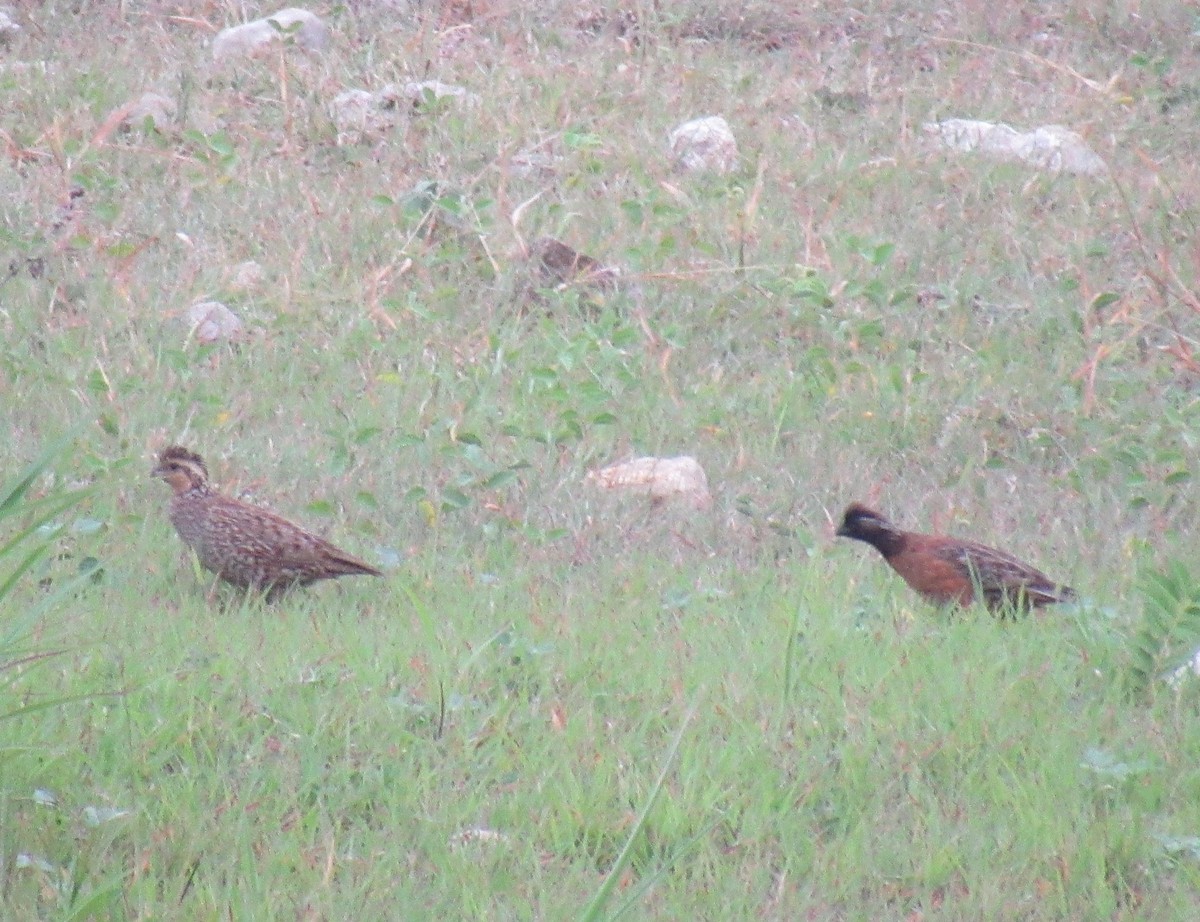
x=482 y=734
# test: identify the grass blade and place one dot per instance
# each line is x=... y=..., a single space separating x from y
x=596 y=906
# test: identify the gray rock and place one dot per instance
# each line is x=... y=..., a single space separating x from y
x=162 y=109
x=212 y=321
x=254 y=38
x=657 y=478
x=417 y=92
x=359 y=115
x=8 y=27
x=247 y=276
x=704 y=145
x=1052 y=148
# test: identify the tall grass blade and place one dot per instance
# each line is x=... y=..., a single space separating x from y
x=596 y=907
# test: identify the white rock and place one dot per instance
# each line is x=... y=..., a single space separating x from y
x=477 y=836
x=211 y=321
x=658 y=478
x=1051 y=147
x=255 y=37
x=352 y=113
x=1189 y=670
x=162 y=109
x=8 y=27
x=26 y=67
x=704 y=145
x=359 y=114
x=534 y=163
x=416 y=92
x=247 y=276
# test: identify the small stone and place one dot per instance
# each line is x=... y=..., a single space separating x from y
x=417 y=92
x=212 y=321
x=360 y=115
x=1052 y=148
x=255 y=37
x=41 y=68
x=1185 y=672
x=247 y=276
x=160 y=109
x=8 y=27
x=477 y=836
x=704 y=145
x=533 y=163
x=658 y=478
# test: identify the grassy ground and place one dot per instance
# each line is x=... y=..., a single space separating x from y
x=976 y=347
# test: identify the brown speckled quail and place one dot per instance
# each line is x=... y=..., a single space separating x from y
x=243 y=544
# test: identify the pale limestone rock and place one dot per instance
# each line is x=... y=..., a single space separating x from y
x=162 y=109
x=658 y=478
x=255 y=37
x=247 y=276
x=416 y=92
x=8 y=27
x=211 y=321
x=477 y=836
x=534 y=163
x=1052 y=148
x=1184 y=673
x=359 y=115
x=704 y=145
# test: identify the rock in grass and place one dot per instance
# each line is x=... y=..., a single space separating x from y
x=659 y=478
x=419 y=92
x=161 y=110
x=359 y=115
x=8 y=27
x=704 y=145
x=1052 y=148
x=306 y=29
x=247 y=276
x=1185 y=672
x=535 y=163
x=477 y=836
x=212 y=321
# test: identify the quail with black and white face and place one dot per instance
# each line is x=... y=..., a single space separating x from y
x=245 y=545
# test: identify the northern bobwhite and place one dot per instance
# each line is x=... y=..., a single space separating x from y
x=559 y=265
x=947 y=571
x=243 y=544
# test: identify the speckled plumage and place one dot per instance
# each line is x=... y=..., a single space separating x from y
x=244 y=545
x=949 y=571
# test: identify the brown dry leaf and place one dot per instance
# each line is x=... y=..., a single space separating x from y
x=558 y=718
